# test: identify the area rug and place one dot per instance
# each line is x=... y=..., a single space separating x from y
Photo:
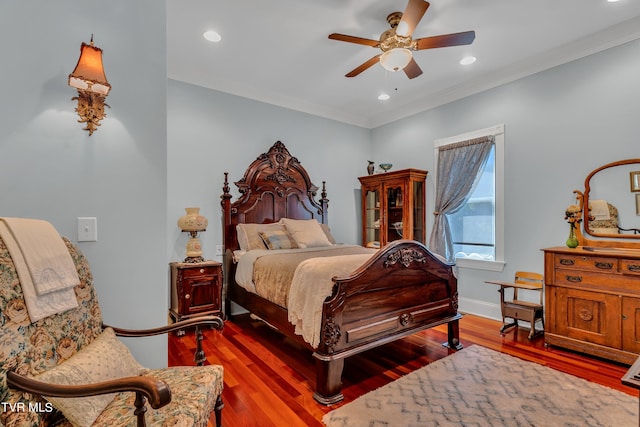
x=480 y=387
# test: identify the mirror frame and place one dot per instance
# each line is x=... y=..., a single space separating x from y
x=583 y=198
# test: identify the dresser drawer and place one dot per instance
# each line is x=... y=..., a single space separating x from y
x=582 y=262
x=592 y=280
x=630 y=266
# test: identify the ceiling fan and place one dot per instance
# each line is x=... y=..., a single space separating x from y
x=397 y=45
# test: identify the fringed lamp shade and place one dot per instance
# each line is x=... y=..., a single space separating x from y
x=89 y=72
x=89 y=78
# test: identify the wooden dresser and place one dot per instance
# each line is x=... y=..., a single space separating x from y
x=592 y=301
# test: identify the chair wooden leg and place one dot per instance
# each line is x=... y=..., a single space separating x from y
x=506 y=325
x=532 y=332
x=218 y=411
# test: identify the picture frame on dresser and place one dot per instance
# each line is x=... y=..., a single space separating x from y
x=634 y=178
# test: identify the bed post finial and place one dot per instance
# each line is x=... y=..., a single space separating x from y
x=225 y=188
x=226 y=210
x=324 y=203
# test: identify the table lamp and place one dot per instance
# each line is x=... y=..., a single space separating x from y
x=192 y=222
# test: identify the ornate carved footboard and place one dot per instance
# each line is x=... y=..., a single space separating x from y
x=402 y=289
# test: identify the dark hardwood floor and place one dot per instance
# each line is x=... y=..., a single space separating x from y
x=269 y=379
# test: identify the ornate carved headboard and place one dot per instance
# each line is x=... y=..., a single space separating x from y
x=274 y=186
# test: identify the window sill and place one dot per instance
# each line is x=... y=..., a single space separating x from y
x=480 y=264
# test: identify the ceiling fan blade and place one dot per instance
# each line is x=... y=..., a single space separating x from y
x=363 y=66
x=445 y=40
x=412 y=70
x=411 y=16
x=353 y=39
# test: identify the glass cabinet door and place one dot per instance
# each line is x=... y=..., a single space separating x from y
x=419 y=229
x=372 y=218
x=395 y=208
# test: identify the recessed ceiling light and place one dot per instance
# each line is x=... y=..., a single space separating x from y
x=612 y=1
x=468 y=60
x=212 y=36
x=383 y=97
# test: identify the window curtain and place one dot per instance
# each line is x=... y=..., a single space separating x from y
x=457 y=177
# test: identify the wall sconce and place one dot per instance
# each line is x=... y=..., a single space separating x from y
x=89 y=78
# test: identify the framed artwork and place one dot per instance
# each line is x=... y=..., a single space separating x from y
x=634 y=177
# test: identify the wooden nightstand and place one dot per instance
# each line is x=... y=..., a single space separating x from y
x=196 y=289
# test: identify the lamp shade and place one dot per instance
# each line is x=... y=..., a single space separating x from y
x=89 y=72
x=396 y=59
x=192 y=220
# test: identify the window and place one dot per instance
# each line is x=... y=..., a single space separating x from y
x=477 y=228
x=473 y=226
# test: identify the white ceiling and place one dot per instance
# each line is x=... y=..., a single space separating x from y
x=277 y=51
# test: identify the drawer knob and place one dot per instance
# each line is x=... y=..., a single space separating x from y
x=187 y=296
x=202 y=270
x=633 y=267
x=604 y=265
x=574 y=279
x=566 y=261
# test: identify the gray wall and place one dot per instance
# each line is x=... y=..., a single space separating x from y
x=52 y=169
x=559 y=125
x=211 y=132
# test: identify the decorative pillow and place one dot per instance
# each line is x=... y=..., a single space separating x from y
x=249 y=237
x=277 y=239
x=105 y=358
x=306 y=233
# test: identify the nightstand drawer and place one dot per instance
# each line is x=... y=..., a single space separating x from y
x=198 y=271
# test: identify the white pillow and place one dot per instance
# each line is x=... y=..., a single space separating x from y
x=306 y=232
x=105 y=358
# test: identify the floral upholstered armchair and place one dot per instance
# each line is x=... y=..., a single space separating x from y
x=72 y=353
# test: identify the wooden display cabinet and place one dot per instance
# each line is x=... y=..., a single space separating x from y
x=393 y=207
x=196 y=289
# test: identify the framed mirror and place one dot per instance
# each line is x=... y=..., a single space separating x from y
x=611 y=206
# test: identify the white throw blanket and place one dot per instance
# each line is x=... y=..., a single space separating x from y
x=312 y=284
x=45 y=268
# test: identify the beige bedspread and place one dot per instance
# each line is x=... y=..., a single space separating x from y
x=299 y=276
x=311 y=285
x=274 y=272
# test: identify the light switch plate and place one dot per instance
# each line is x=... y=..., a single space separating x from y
x=87 y=229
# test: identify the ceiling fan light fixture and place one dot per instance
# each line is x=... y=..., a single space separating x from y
x=396 y=59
